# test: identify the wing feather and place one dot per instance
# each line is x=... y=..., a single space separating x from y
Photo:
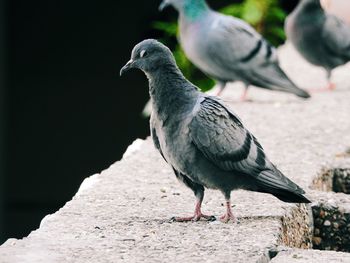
x=238 y=52
x=336 y=36
x=234 y=148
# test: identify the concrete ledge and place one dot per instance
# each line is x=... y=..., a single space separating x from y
x=122 y=214
x=308 y=256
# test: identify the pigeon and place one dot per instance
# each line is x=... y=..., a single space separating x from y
x=228 y=49
x=322 y=39
x=203 y=141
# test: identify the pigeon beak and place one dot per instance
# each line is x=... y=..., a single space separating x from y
x=163 y=5
x=127 y=66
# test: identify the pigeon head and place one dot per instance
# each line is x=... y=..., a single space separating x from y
x=150 y=56
x=311 y=3
x=177 y=4
x=190 y=8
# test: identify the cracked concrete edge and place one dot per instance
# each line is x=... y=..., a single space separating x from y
x=289 y=255
x=293 y=215
x=290 y=251
x=90 y=181
x=296 y=223
x=297 y=227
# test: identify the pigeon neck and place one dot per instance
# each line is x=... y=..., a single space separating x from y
x=309 y=12
x=310 y=6
x=169 y=89
x=194 y=10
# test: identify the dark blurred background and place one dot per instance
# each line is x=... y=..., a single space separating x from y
x=65 y=113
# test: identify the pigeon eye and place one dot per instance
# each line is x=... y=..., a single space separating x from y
x=143 y=53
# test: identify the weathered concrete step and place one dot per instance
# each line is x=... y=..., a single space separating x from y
x=121 y=215
x=310 y=256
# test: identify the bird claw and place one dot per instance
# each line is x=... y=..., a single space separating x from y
x=193 y=218
x=330 y=87
x=227 y=218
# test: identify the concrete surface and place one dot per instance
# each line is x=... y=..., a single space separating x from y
x=122 y=214
x=311 y=256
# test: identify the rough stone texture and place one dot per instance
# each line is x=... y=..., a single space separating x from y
x=332 y=222
x=336 y=180
x=310 y=256
x=121 y=215
x=341 y=180
x=297 y=228
x=331 y=228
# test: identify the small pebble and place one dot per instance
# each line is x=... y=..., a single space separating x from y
x=316 y=231
x=317 y=240
x=327 y=223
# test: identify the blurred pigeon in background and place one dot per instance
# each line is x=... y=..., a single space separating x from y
x=203 y=141
x=322 y=39
x=339 y=8
x=228 y=49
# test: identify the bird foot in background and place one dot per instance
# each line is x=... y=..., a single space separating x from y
x=330 y=87
x=227 y=218
x=219 y=92
x=244 y=96
x=194 y=218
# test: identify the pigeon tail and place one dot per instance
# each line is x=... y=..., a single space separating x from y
x=276 y=79
x=278 y=185
x=291 y=197
x=302 y=93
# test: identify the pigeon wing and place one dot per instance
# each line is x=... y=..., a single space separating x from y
x=236 y=48
x=336 y=37
x=222 y=138
x=224 y=141
x=155 y=137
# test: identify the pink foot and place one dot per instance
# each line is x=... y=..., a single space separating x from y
x=244 y=95
x=196 y=217
x=330 y=87
x=227 y=218
x=229 y=215
x=219 y=92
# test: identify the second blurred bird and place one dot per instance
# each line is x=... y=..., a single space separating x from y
x=321 y=38
x=228 y=49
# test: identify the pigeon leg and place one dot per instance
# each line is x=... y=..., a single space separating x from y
x=222 y=86
x=244 y=94
x=199 y=193
x=330 y=86
x=228 y=215
x=197 y=215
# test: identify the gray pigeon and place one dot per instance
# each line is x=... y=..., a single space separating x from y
x=322 y=39
x=203 y=141
x=228 y=49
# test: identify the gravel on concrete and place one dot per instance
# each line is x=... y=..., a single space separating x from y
x=122 y=214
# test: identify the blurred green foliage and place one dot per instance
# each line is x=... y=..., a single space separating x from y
x=266 y=16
